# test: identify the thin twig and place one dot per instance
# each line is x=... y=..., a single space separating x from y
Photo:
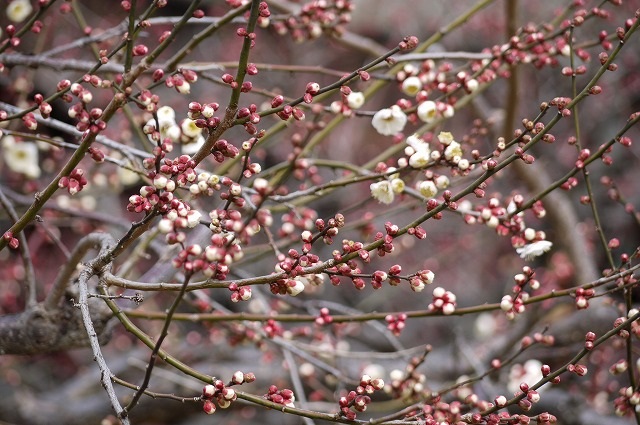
x=23 y=247
x=154 y=354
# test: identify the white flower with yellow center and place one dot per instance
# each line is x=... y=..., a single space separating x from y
x=19 y=10
x=427 y=111
x=445 y=138
x=454 y=149
x=190 y=129
x=166 y=115
x=411 y=86
x=397 y=185
x=21 y=157
x=192 y=147
x=427 y=188
x=419 y=151
x=389 y=121
x=420 y=158
x=382 y=191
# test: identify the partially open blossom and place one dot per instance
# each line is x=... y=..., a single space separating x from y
x=427 y=111
x=472 y=85
x=382 y=191
x=19 y=10
x=411 y=86
x=355 y=100
x=193 y=218
x=294 y=287
x=442 y=182
x=189 y=128
x=535 y=249
x=445 y=138
x=529 y=373
x=166 y=115
x=389 y=121
x=193 y=146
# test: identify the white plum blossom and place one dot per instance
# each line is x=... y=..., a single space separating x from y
x=442 y=182
x=296 y=288
x=189 y=128
x=506 y=304
x=427 y=111
x=421 y=151
x=19 y=10
x=169 y=128
x=166 y=114
x=427 y=188
x=192 y=147
x=533 y=250
x=448 y=111
x=416 y=142
x=529 y=234
x=453 y=150
x=355 y=100
x=445 y=138
x=420 y=158
x=529 y=372
x=21 y=157
x=165 y=226
x=389 y=121
x=411 y=86
x=192 y=138
x=193 y=218
x=472 y=85
x=397 y=185
x=382 y=191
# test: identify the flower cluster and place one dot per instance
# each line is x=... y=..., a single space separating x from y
x=12 y=241
x=74 y=182
x=357 y=401
x=239 y=293
x=528 y=242
x=396 y=323
x=350 y=100
x=314 y=19
x=222 y=394
x=583 y=296
x=421 y=279
x=408 y=385
x=164 y=129
x=515 y=304
x=284 y=397
x=444 y=301
x=627 y=401
x=385 y=191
